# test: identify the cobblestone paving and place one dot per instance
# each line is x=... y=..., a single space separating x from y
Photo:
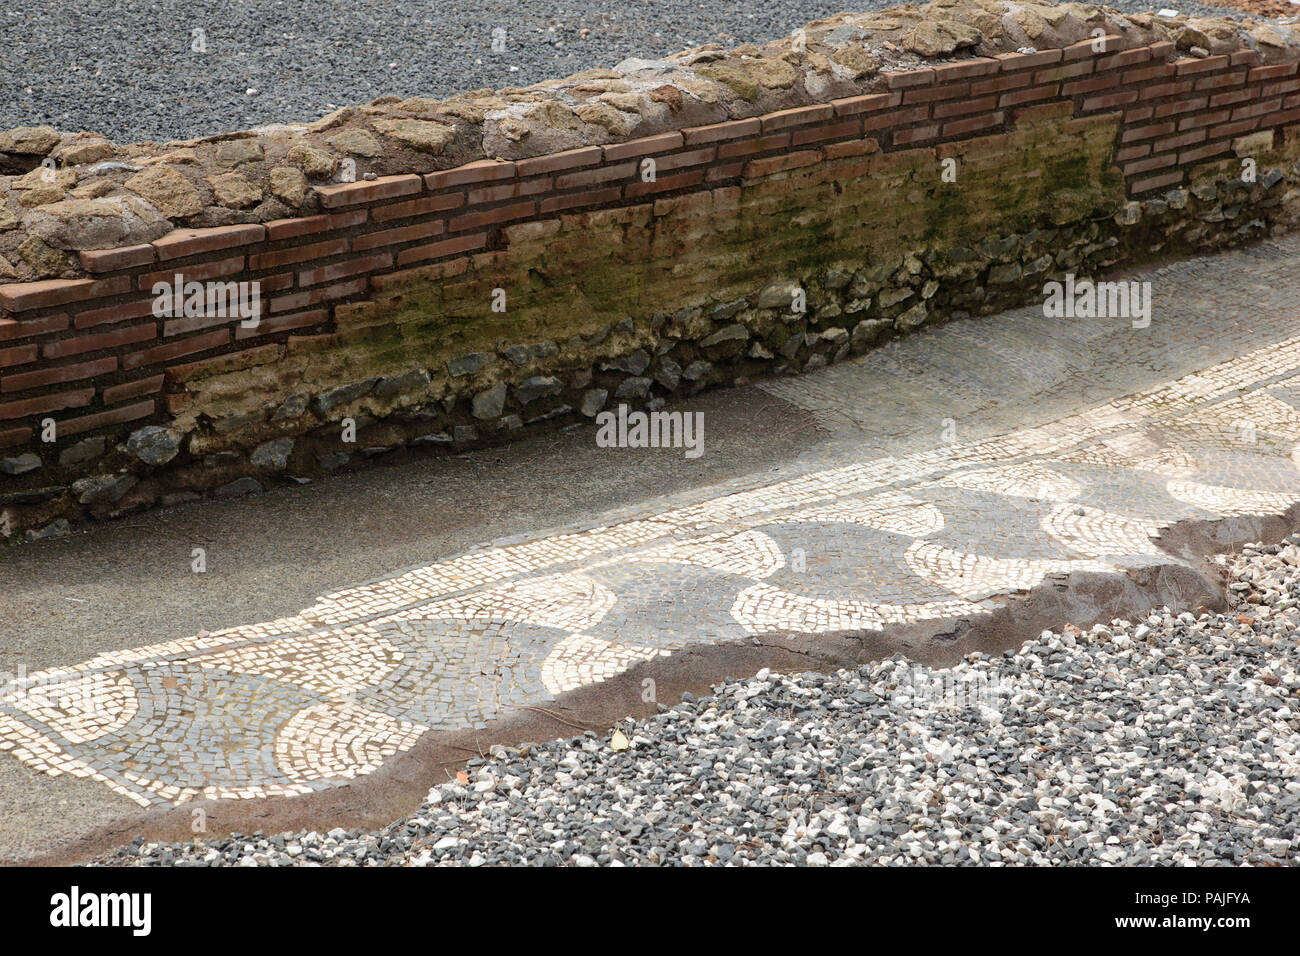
x=933 y=498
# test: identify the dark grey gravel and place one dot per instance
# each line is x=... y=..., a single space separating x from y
x=125 y=68
x=1172 y=740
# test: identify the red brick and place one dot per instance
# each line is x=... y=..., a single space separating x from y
x=46 y=403
x=1028 y=61
x=853 y=105
x=917 y=114
x=1203 y=152
x=306 y=225
x=488 y=217
x=1279 y=119
x=1001 y=83
x=324 y=293
x=417 y=207
x=725 y=171
x=1208 y=65
x=1274 y=72
x=129 y=390
x=1178 y=142
x=386 y=187
x=389 y=237
x=227 y=361
x=1256 y=109
x=193 y=242
x=11 y=329
x=1110 y=100
x=1157 y=71
x=779 y=164
x=1125 y=58
x=194 y=272
x=717 y=132
x=277 y=283
x=25 y=296
x=114 y=416
x=102 y=340
x=962 y=107
x=854 y=147
x=747 y=147
x=1279 y=88
x=972 y=123
x=1181 y=106
x=928 y=94
x=1218 y=82
x=554 y=162
x=906 y=79
x=797 y=116
x=1091 y=85
x=1204 y=119
x=345 y=269
x=663 y=184
x=471 y=174
x=595 y=176
x=14 y=436
x=1132 y=152
x=185 y=324
x=645 y=146
x=1032 y=95
x=110 y=260
x=173 y=350
x=284 y=257
x=1139 y=115
x=692 y=157
x=1161 y=90
x=446 y=247
x=115 y=313
x=435 y=272
x=588 y=197
x=57 y=375
x=17 y=355
x=280 y=323
x=1231 y=99
x=1146 y=132
x=1229 y=130
x=965 y=69
x=1150 y=163
x=915 y=134
x=1064 y=72
x=817 y=134
x=1245 y=58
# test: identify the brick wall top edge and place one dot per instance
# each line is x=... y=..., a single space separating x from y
x=185 y=197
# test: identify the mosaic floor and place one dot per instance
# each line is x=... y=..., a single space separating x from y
x=890 y=521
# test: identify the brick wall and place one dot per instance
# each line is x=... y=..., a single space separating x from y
x=89 y=354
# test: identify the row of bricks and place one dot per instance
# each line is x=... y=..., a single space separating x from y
x=17 y=379
x=1016 y=67
x=580 y=187
x=83 y=423
x=1141 y=158
x=1176 y=93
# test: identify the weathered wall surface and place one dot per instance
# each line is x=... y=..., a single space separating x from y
x=378 y=307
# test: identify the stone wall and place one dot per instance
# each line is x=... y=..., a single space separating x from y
x=460 y=305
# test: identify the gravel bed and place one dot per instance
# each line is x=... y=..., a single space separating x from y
x=1170 y=740
x=127 y=68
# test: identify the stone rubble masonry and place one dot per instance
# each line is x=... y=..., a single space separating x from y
x=1061 y=154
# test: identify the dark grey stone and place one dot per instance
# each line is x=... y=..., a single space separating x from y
x=154 y=445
